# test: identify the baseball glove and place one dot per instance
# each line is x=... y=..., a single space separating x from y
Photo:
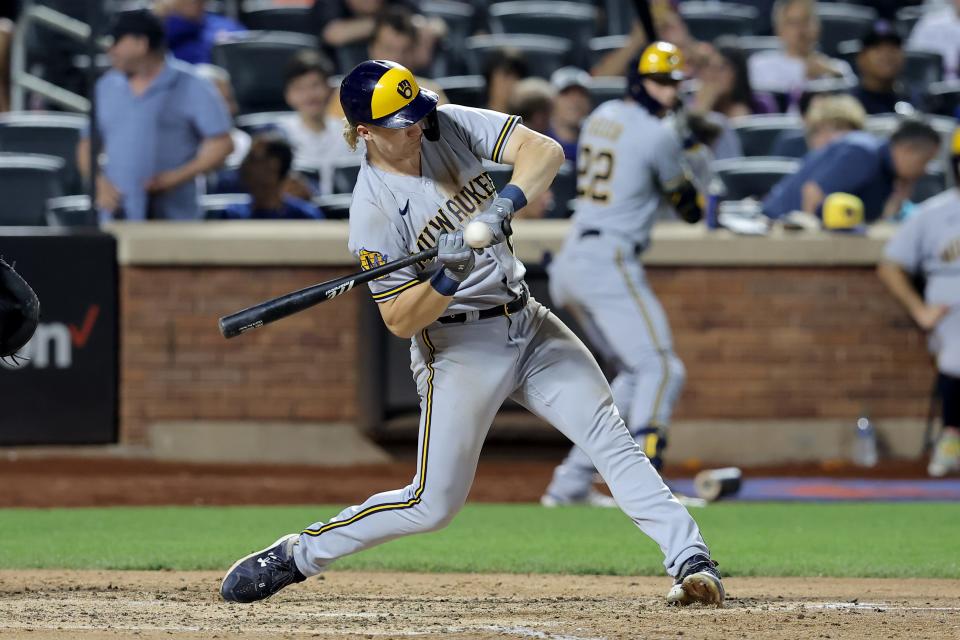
x=19 y=311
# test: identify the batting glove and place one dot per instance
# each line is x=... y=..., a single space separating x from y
x=497 y=217
x=455 y=255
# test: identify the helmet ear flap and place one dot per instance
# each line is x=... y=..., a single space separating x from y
x=431 y=126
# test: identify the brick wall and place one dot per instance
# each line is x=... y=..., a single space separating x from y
x=758 y=344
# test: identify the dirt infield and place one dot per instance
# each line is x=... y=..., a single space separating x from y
x=93 y=605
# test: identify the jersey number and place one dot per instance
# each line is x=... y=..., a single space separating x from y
x=593 y=172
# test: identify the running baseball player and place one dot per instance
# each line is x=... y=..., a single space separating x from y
x=630 y=165
x=928 y=244
x=477 y=337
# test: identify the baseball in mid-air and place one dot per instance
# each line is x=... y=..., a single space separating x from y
x=478 y=235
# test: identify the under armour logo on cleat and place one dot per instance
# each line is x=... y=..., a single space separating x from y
x=262 y=562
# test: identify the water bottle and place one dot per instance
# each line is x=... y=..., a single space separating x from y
x=715 y=192
x=865 y=444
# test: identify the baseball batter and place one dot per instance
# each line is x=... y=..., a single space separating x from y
x=477 y=337
x=630 y=166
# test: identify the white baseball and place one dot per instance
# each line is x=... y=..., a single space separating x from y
x=478 y=235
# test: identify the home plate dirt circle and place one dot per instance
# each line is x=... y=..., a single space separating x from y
x=115 y=604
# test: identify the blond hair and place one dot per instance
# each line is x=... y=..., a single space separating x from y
x=840 y=111
x=350 y=135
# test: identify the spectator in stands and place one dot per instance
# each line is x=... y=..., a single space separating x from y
x=880 y=62
x=928 y=245
x=220 y=78
x=394 y=38
x=532 y=100
x=670 y=28
x=503 y=70
x=881 y=173
x=829 y=116
x=571 y=106
x=725 y=86
x=939 y=31
x=342 y=23
x=191 y=30
x=161 y=124
x=316 y=136
x=264 y=174
x=788 y=69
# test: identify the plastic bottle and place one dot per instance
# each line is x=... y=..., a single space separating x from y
x=716 y=190
x=865 y=444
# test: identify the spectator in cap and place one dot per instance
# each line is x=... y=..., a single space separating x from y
x=939 y=31
x=161 y=124
x=571 y=106
x=828 y=117
x=880 y=62
x=790 y=68
x=881 y=173
x=191 y=30
x=264 y=173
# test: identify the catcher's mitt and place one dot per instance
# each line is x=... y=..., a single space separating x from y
x=19 y=311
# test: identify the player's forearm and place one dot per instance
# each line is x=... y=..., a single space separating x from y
x=537 y=161
x=413 y=309
x=899 y=286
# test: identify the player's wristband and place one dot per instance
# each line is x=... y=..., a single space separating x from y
x=514 y=194
x=444 y=284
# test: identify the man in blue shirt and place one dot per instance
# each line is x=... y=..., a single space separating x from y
x=162 y=127
x=264 y=172
x=882 y=174
x=191 y=30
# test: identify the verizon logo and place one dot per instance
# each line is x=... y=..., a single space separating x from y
x=53 y=344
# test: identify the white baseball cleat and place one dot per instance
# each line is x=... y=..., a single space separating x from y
x=593 y=498
x=698 y=582
x=946 y=455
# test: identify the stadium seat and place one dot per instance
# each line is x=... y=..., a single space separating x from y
x=49 y=133
x=460 y=18
x=575 y=22
x=345 y=175
x=758 y=133
x=907 y=19
x=750 y=44
x=932 y=183
x=336 y=206
x=215 y=204
x=922 y=69
x=943 y=98
x=27 y=181
x=752 y=177
x=254 y=60
x=254 y=123
x=266 y=16
x=543 y=54
x=599 y=47
x=841 y=22
x=708 y=21
x=884 y=125
x=470 y=91
x=620 y=16
x=71 y=211
x=603 y=88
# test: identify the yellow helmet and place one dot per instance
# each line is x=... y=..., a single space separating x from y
x=842 y=211
x=661 y=59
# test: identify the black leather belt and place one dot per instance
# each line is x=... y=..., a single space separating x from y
x=517 y=304
x=638 y=248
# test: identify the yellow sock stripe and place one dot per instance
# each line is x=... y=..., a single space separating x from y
x=653 y=336
x=423 y=460
x=502 y=138
x=383 y=295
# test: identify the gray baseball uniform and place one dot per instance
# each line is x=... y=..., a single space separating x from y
x=928 y=243
x=464 y=371
x=626 y=158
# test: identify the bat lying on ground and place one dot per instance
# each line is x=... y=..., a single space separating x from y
x=266 y=312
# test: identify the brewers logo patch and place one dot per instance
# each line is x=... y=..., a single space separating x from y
x=371 y=259
x=405 y=89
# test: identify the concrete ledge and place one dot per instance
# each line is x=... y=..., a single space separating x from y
x=331 y=445
x=300 y=243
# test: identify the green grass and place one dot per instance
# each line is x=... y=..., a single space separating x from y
x=878 y=539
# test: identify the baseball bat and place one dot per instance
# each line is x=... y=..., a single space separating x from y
x=642 y=8
x=266 y=312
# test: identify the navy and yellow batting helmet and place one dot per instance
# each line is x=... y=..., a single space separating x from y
x=661 y=60
x=385 y=94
